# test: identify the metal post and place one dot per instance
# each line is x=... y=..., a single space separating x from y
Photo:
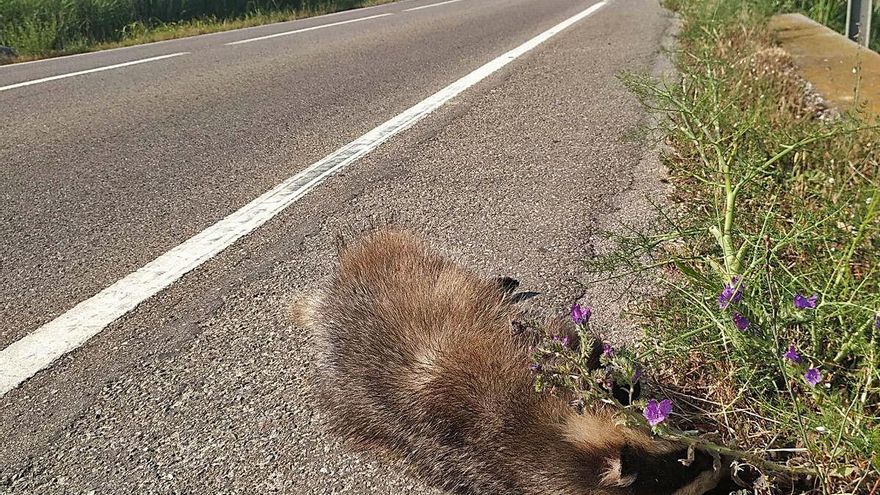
x=858 y=21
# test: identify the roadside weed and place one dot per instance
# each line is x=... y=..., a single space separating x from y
x=768 y=338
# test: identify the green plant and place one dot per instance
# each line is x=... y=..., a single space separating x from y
x=769 y=332
x=32 y=36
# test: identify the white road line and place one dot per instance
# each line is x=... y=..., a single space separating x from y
x=322 y=26
x=432 y=5
x=37 y=350
x=89 y=71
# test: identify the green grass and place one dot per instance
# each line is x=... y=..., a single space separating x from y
x=45 y=28
x=775 y=201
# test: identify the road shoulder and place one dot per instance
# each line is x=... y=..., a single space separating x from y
x=203 y=389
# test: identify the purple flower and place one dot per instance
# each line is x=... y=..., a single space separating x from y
x=813 y=376
x=877 y=322
x=580 y=314
x=535 y=367
x=657 y=412
x=801 y=302
x=792 y=354
x=732 y=293
x=607 y=350
x=742 y=323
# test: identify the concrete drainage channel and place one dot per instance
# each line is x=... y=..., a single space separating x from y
x=844 y=73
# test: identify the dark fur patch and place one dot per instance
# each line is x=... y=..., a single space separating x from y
x=664 y=473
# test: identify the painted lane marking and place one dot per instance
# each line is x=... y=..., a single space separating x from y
x=432 y=5
x=89 y=71
x=303 y=30
x=37 y=350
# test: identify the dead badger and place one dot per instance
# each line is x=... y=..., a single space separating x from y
x=417 y=361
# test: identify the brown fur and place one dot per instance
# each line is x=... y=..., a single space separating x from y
x=417 y=361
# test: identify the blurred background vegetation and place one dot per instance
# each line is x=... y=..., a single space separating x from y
x=36 y=28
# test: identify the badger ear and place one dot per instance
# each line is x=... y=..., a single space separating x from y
x=507 y=284
x=620 y=471
x=508 y=287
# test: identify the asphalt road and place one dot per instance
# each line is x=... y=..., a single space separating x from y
x=202 y=389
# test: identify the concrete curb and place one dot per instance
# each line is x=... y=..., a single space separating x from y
x=845 y=74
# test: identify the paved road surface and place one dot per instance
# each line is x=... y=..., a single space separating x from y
x=202 y=388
